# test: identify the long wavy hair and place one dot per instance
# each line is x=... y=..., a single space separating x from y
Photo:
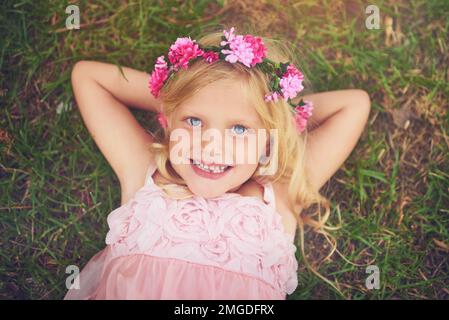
x=310 y=208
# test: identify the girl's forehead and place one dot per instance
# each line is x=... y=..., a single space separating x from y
x=222 y=98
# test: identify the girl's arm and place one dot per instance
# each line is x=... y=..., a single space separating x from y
x=102 y=95
x=337 y=121
x=130 y=88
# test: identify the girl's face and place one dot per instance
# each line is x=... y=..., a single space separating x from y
x=218 y=128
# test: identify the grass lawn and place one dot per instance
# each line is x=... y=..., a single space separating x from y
x=56 y=188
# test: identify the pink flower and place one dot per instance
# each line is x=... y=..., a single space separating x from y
x=134 y=226
x=273 y=96
x=247 y=49
x=280 y=265
x=248 y=226
x=293 y=71
x=158 y=76
x=210 y=56
x=229 y=35
x=258 y=48
x=291 y=85
x=216 y=250
x=241 y=50
x=292 y=278
x=162 y=120
x=182 y=51
x=291 y=82
x=285 y=273
x=190 y=220
x=118 y=221
x=302 y=114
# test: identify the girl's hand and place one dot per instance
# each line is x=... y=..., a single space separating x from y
x=102 y=95
x=337 y=121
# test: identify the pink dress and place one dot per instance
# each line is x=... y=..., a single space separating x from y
x=227 y=247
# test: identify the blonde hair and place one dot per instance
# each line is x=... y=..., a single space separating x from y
x=290 y=146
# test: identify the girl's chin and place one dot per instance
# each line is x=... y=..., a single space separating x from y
x=206 y=192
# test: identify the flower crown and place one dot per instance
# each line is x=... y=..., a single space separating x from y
x=285 y=78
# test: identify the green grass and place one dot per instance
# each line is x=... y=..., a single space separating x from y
x=56 y=188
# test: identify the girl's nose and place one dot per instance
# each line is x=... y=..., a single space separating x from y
x=212 y=152
x=212 y=147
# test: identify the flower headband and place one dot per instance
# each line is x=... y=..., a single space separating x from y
x=285 y=78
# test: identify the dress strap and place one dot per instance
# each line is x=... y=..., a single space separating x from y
x=150 y=171
x=268 y=194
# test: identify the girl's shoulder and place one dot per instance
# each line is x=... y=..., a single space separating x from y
x=282 y=206
x=139 y=177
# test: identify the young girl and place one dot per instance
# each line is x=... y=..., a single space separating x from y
x=202 y=224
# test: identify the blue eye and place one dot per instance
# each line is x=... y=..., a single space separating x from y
x=239 y=129
x=194 y=122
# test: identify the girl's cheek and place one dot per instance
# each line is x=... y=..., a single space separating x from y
x=247 y=150
x=179 y=150
x=244 y=172
x=195 y=139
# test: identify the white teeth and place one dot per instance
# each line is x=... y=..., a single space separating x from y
x=205 y=167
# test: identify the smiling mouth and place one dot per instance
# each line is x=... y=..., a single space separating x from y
x=211 y=168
